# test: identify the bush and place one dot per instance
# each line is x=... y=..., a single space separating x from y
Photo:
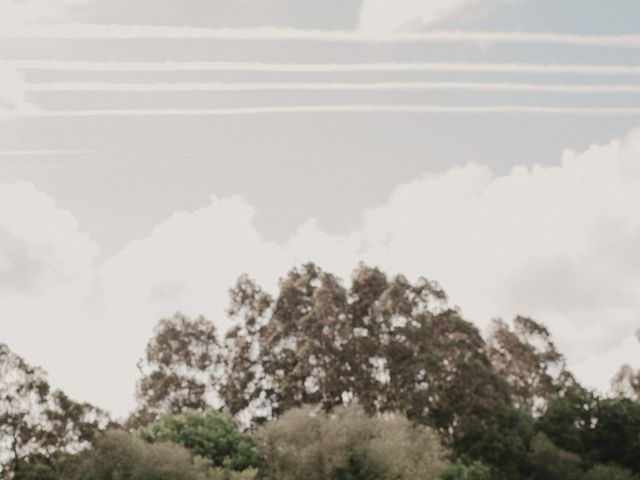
x=474 y=471
x=610 y=472
x=211 y=435
x=552 y=463
x=119 y=455
x=347 y=444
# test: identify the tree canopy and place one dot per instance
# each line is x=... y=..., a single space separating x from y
x=38 y=421
x=379 y=378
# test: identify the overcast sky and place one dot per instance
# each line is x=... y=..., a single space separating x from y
x=150 y=152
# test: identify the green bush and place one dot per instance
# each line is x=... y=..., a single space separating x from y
x=552 y=463
x=211 y=435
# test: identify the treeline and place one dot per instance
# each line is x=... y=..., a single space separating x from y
x=380 y=379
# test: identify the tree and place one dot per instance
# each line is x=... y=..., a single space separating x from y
x=392 y=344
x=179 y=368
x=34 y=420
x=348 y=444
x=615 y=434
x=243 y=384
x=568 y=419
x=302 y=344
x=425 y=360
x=501 y=445
x=599 y=430
x=211 y=435
x=626 y=383
x=527 y=359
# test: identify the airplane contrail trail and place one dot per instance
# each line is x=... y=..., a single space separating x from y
x=171 y=66
x=93 y=31
x=325 y=86
x=302 y=109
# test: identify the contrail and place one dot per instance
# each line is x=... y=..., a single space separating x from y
x=171 y=66
x=324 y=86
x=91 y=31
x=303 y=109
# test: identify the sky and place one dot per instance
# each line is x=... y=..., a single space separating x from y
x=151 y=152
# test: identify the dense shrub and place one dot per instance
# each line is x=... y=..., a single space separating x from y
x=121 y=456
x=552 y=463
x=474 y=471
x=610 y=472
x=211 y=435
x=347 y=444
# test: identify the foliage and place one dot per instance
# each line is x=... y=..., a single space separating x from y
x=502 y=445
x=119 y=455
x=348 y=444
x=568 y=419
x=224 y=473
x=34 y=420
x=473 y=471
x=179 y=367
x=615 y=435
x=393 y=345
x=610 y=472
x=598 y=430
x=212 y=435
x=527 y=359
x=320 y=370
x=40 y=467
x=552 y=463
x=626 y=383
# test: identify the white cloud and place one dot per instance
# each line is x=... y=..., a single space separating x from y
x=47 y=270
x=558 y=243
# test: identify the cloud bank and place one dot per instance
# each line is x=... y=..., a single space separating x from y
x=558 y=243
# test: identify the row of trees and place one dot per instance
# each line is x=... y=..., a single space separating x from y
x=501 y=408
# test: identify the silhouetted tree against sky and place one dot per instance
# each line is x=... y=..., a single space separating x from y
x=626 y=383
x=370 y=366
x=394 y=345
x=34 y=420
x=527 y=359
x=179 y=367
x=244 y=384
